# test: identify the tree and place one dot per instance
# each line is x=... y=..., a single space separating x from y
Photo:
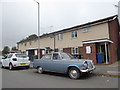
x=32 y=36
x=29 y=37
x=14 y=48
x=5 y=50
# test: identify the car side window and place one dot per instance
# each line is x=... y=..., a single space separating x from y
x=56 y=56
x=47 y=56
x=9 y=56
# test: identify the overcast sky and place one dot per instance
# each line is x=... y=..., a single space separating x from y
x=18 y=18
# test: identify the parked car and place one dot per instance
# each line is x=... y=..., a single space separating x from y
x=1 y=59
x=63 y=63
x=15 y=60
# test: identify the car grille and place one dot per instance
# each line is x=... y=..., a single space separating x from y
x=90 y=65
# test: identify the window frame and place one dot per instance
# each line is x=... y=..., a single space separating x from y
x=60 y=36
x=76 y=50
x=74 y=34
x=85 y=30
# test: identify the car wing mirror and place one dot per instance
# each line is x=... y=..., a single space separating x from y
x=4 y=57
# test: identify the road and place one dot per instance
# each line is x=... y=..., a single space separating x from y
x=29 y=78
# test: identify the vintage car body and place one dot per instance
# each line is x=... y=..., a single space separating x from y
x=64 y=64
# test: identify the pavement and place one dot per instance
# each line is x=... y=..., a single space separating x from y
x=111 y=70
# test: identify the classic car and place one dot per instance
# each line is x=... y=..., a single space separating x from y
x=63 y=63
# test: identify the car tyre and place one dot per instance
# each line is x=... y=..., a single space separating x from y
x=2 y=66
x=40 y=70
x=74 y=73
x=10 y=66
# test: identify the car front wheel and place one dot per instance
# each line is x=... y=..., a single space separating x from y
x=74 y=73
x=40 y=70
x=2 y=66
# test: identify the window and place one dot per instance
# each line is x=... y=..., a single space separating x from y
x=35 y=40
x=25 y=43
x=10 y=55
x=56 y=56
x=30 y=42
x=47 y=56
x=60 y=37
x=74 y=50
x=86 y=30
x=60 y=50
x=65 y=56
x=21 y=55
x=74 y=34
x=88 y=49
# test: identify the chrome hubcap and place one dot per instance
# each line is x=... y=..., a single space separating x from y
x=73 y=73
x=39 y=70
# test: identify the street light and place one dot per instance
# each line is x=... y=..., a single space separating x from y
x=38 y=30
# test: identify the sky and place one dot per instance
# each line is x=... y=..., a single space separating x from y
x=18 y=18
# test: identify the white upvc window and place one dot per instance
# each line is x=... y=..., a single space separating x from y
x=60 y=50
x=75 y=50
x=74 y=34
x=25 y=43
x=85 y=30
x=60 y=36
x=30 y=42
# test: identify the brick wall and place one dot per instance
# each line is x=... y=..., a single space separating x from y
x=67 y=50
x=114 y=36
x=91 y=56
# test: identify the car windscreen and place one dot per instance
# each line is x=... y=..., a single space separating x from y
x=21 y=55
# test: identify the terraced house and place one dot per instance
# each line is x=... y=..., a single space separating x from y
x=98 y=40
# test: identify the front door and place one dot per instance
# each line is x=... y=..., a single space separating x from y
x=103 y=50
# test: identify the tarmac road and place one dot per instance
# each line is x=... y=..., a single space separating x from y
x=29 y=78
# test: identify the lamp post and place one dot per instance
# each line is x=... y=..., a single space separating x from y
x=38 y=29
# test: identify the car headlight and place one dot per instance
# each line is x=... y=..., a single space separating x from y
x=85 y=64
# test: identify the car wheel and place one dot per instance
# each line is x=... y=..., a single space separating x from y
x=2 y=66
x=74 y=73
x=40 y=70
x=10 y=66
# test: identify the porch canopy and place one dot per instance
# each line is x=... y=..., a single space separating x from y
x=105 y=41
x=97 y=41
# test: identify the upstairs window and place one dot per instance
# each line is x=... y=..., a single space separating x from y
x=25 y=43
x=60 y=36
x=85 y=30
x=30 y=42
x=74 y=34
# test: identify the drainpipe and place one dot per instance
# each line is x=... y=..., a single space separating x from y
x=106 y=54
x=54 y=42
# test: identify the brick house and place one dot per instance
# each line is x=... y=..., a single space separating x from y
x=98 y=40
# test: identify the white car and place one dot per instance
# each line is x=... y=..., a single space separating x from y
x=15 y=60
x=1 y=59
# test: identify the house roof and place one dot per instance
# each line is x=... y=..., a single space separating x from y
x=76 y=27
